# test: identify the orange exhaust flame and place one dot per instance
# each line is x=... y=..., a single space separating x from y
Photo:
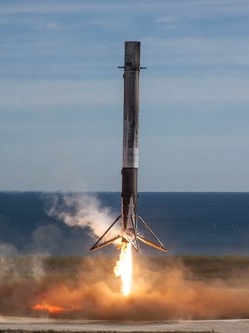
x=123 y=268
x=47 y=307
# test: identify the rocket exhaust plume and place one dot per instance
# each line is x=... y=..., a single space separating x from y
x=123 y=267
x=129 y=217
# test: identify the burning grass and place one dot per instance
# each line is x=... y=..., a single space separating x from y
x=164 y=288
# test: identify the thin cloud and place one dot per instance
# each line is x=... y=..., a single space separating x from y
x=194 y=90
x=194 y=8
x=54 y=95
x=166 y=19
x=68 y=7
x=199 y=51
x=93 y=94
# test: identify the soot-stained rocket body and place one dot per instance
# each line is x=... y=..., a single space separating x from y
x=130 y=129
x=129 y=216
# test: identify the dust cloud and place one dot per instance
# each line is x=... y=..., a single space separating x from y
x=164 y=288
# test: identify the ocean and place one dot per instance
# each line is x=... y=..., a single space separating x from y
x=61 y=224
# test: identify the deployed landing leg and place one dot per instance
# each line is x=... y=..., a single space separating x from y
x=130 y=235
x=98 y=245
x=158 y=246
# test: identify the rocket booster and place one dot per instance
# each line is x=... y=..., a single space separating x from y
x=130 y=130
x=129 y=215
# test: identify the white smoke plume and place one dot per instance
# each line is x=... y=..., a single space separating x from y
x=84 y=211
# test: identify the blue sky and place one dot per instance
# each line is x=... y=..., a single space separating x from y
x=61 y=94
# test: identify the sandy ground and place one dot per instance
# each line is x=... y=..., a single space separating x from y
x=31 y=324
